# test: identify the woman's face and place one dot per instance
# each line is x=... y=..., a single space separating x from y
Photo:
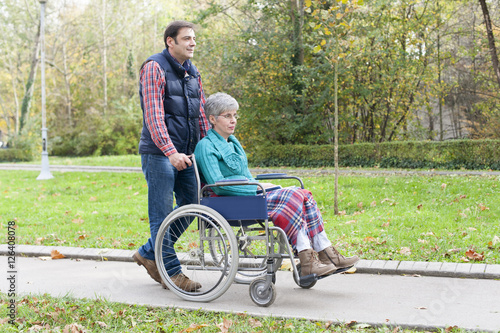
x=225 y=123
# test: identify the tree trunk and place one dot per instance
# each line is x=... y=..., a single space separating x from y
x=297 y=16
x=336 y=132
x=13 y=72
x=68 y=87
x=491 y=39
x=104 y=57
x=28 y=93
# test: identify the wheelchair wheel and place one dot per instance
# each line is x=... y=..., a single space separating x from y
x=260 y=295
x=305 y=286
x=187 y=235
x=253 y=268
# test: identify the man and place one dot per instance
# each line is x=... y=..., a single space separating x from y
x=172 y=102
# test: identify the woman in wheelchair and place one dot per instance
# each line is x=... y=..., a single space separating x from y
x=221 y=157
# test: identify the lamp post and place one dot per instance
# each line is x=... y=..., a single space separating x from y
x=45 y=173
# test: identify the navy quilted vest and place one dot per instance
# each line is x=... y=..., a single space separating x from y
x=181 y=103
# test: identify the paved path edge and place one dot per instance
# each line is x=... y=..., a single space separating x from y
x=440 y=269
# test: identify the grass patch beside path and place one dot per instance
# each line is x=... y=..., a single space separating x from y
x=418 y=218
x=117 y=161
x=48 y=314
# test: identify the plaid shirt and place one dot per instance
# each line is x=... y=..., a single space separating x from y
x=153 y=82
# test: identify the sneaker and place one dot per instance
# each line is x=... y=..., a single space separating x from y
x=150 y=266
x=331 y=255
x=184 y=283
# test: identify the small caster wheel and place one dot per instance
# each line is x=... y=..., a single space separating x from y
x=305 y=286
x=260 y=296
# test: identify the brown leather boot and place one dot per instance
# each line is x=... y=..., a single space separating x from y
x=309 y=264
x=150 y=266
x=183 y=282
x=331 y=255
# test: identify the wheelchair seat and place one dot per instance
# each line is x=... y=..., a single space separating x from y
x=238 y=210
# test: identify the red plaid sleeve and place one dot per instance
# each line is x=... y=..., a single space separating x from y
x=153 y=82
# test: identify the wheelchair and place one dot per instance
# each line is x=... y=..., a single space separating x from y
x=226 y=239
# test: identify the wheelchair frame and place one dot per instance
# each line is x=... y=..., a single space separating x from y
x=210 y=252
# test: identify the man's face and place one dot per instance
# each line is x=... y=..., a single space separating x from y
x=182 y=47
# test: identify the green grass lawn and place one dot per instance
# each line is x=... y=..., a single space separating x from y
x=43 y=313
x=436 y=218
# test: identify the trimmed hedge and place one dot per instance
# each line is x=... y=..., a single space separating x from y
x=15 y=155
x=455 y=154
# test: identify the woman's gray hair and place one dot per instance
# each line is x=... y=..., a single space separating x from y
x=218 y=103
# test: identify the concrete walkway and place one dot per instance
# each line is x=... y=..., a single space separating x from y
x=440 y=269
x=406 y=294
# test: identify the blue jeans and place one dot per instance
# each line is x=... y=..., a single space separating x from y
x=164 y=181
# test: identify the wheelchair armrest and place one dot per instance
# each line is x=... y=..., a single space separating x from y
x=227 y=182
x=278 y=176
x=270 y=176
x=232 y=182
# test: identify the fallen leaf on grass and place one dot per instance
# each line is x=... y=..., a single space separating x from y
x=54 y=254
x=443 y=186
x=351 y=222
x=93 y=199
x=483 y=207
x=473 y=255
x=254 y=323
x=225 y=325
x=419 y=206
x=74 y=328
x=386 y=224
x=405 y=250
x=194 y=327
x=369 y=239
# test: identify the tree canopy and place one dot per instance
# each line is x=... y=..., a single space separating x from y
x=411 y=69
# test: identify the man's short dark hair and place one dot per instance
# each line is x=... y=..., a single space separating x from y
x=173 y=28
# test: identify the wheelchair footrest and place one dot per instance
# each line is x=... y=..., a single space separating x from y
x=306 y=280
x=340 y=270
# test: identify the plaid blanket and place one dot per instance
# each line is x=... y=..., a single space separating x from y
x=292 y=209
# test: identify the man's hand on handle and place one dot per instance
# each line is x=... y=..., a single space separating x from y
x=180 y=161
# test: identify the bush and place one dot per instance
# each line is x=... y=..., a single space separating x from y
x=21 y=149
x=457 y=154
x=15 y=155
x=115 y=134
